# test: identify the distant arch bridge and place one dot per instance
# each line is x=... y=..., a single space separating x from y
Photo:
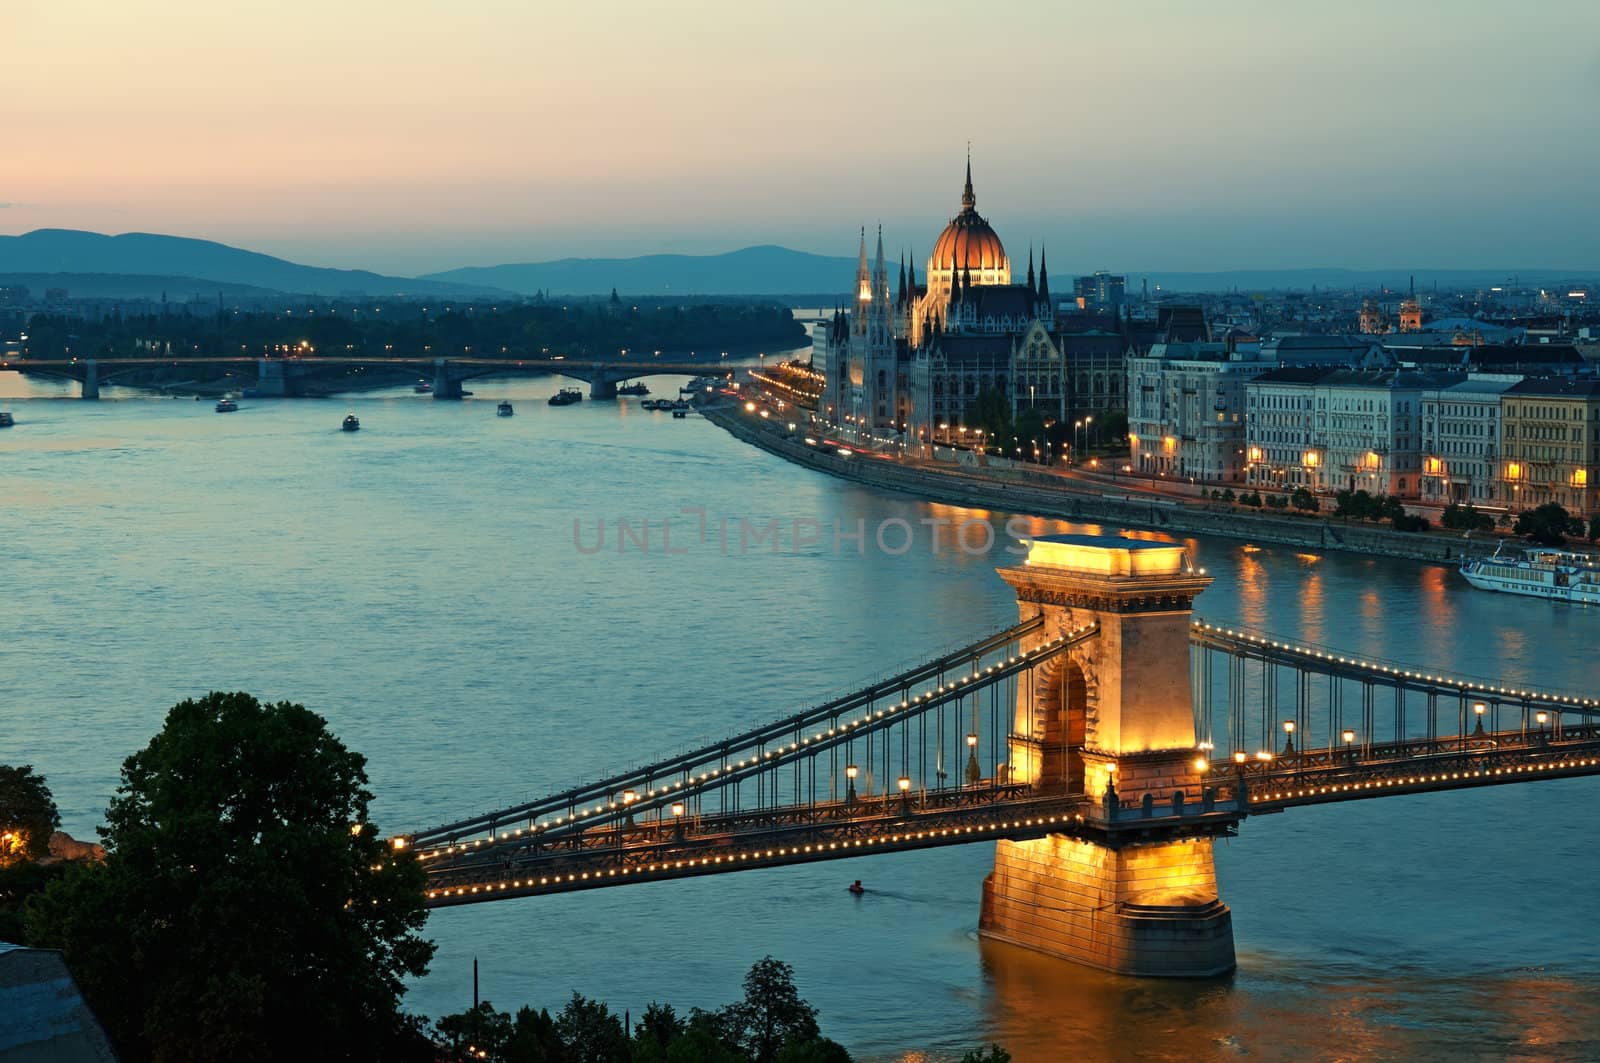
x=280 y=377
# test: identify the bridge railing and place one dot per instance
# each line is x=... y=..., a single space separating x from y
x=1259 y=698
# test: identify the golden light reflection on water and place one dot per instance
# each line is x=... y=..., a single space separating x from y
x=1043 y=1010
x=1253 y=587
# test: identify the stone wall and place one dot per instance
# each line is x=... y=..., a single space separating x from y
x=1146 y=910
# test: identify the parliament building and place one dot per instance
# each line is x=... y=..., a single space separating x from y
x=909 y=365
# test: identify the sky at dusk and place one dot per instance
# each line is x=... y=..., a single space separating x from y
x=410 y=136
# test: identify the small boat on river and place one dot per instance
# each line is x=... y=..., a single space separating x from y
x=504 y=410
x=566 y=397
x=226 y=405
x=351 y=423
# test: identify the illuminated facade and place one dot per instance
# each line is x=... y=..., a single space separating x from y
x=1342 y=429
x=1551 y=444
x=1113 y=719
x=1461 y=441
x=1186 y=410
x=910 y=368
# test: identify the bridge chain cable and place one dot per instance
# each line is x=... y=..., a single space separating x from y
x=883 y=733
x=711 y=759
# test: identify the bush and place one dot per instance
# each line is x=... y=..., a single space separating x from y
x=1304 y=500
x=1405 y=522
x=1465 y=518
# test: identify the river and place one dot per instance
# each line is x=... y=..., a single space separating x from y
x=430 y=586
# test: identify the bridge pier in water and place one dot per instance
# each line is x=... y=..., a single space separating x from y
x=91 y=379
x=272 y=379
x=1113 y=719
x=601 y=384
x=446 y=384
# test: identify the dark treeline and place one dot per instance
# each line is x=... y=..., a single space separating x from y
x=530 y=330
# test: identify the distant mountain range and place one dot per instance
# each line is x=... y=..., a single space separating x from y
x=147 y=264
x=70 y=251
x=764 y=270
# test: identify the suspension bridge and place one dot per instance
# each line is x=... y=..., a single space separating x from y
x=1104 y=741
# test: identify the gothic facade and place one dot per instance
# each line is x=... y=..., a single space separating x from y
x=910 y=366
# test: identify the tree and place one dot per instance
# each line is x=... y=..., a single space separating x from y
x=591 y=1033
x=1304 y=500
x=1468 y=517
x=991 y=412
x=1546 y=525
x=815 y=1050
x=772 y=1011
x=535 y=1039
x=1594 y=528
x=659 y=1025
x=28 y=815
x=479 y=1029
x=246 y=909
x=992 y=1054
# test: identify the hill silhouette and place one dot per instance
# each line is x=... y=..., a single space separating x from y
x=73 y=251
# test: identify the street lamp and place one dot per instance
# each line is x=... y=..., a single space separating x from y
x=974 y=773
x=905 y=793
x=850 y=784
x=1543 y=718
x=1288 y=738
x=1350 y=744
x=1479 y=708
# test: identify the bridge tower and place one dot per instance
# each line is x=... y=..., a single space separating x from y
x=1111 y=718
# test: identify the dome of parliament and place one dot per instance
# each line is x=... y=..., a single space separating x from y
x=968 y=242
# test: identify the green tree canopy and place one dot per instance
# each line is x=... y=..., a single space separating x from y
x=772 y=1011
x=27 y=816
x=1547 y=525
x=246 y=909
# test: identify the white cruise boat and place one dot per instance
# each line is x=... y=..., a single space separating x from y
x=1541 y=572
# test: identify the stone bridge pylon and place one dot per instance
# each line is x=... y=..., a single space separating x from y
x=1111 y=718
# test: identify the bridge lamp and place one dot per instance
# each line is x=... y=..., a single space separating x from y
x=677 y=808
x=850 y=786
x=398 y=844
x=1479 y=708
x=629 y=797
x=1543 y=718
x=1201 y=765
x=905 y=783
x=1288 y=738
x=1264 y=756
x=1349 y=742
x=1239 y=757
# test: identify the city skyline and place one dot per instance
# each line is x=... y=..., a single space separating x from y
x=1359 y=138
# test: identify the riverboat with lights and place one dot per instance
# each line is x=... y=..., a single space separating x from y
x=1540 y=572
